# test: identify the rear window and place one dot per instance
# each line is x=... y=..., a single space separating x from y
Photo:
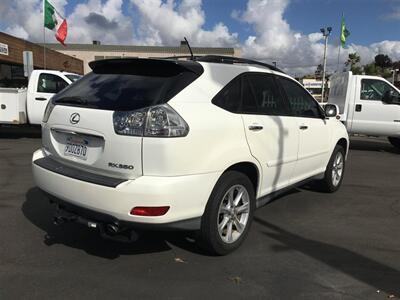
x=127 y=85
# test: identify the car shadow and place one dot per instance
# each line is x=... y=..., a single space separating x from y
x=16 y=132
x=39 y=212
x=359 y=267
x=373 y=145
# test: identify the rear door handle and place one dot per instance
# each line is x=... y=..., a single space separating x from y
x=303 y=127
x=358 y=107
x=256 y=127
x=41 y=98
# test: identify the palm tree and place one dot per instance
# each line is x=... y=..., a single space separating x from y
x=353 y=59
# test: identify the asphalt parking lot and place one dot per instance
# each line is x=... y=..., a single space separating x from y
x=305 y=245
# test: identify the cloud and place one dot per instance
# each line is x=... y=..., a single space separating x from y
x=315 y=37
x=100 y=21
x=394 y=15
x=166 y=23
x=91 y=20
x=275 y=40
x=24 y=18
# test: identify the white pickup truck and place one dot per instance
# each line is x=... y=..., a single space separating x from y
x=368 y=105
x=27 y=105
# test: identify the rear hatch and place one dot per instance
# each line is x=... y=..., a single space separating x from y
x=80 y=128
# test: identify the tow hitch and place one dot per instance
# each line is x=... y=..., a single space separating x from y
x=112 y=231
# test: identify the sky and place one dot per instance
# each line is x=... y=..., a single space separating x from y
x=285 y=31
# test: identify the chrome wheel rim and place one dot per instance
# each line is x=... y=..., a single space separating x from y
x=233 y=214
x=337 y=168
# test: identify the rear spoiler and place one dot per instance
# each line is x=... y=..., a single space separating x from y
x=145 y=66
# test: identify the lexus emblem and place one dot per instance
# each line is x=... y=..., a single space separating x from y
x=75 y=118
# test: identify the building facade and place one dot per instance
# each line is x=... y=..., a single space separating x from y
x=96 y=51
x=11 y=60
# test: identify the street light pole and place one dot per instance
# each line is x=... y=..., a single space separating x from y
x=325 y=32
x=394 y=72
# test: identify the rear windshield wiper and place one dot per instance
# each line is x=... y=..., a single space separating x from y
x=70 y=100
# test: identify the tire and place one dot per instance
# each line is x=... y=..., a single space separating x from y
x=219 y=211
x=334 y=172
x=394 y=141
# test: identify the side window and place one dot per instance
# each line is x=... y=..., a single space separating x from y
x=301 y=103
x=50 y=83
x=249 y=104
x=229 y=97
x=267 y=98
x=373 y=89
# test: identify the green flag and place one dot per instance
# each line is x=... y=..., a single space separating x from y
x=49 y=19
x=344 y=33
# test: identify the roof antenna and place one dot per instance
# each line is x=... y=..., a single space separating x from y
x=190 y=49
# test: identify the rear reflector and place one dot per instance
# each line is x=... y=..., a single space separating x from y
x=152 y=211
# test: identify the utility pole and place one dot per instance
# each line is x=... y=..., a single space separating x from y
x=326 y=33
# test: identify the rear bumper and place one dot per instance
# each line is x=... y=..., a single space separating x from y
x=186 y=196
x=93 y=219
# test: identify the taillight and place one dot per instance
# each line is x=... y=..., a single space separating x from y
x=48 y=110
x=155 y=121
x=129 y=122
x=149 y=211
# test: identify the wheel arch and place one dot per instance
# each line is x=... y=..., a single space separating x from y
x=250 y=170
x=344 y=143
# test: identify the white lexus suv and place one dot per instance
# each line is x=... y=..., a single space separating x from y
x=198 y=144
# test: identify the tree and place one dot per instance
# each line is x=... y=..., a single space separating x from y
x=352 y=61
x=318 y=71
x=371 y=69
x=383 y=61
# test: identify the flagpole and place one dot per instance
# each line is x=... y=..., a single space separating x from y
x=44 y=38
x=340 y=42
x=338 y=58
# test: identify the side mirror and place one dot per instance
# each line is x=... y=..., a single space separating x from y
x=331 y=110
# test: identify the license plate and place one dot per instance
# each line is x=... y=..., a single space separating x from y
x=76 y=147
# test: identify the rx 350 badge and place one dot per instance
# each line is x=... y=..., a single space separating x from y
x=120 y=166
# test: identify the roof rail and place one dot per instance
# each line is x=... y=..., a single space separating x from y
x=195 y=57
x=233 y=60
x=225 y=60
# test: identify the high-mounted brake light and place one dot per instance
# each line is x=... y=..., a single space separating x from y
x=155 y=121
x=149 y=211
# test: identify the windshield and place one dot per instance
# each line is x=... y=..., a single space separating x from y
x=73 y=77
x=126 y=87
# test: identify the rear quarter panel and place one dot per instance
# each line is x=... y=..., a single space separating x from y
x=216 y=138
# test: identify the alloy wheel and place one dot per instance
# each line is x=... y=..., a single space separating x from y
x=233 y=213
x=337 y=168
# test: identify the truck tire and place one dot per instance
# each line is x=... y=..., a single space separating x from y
x=334 y=172
x=228 y=214
x=394 y=141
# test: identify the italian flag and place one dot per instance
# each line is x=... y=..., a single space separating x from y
x=54 y=21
